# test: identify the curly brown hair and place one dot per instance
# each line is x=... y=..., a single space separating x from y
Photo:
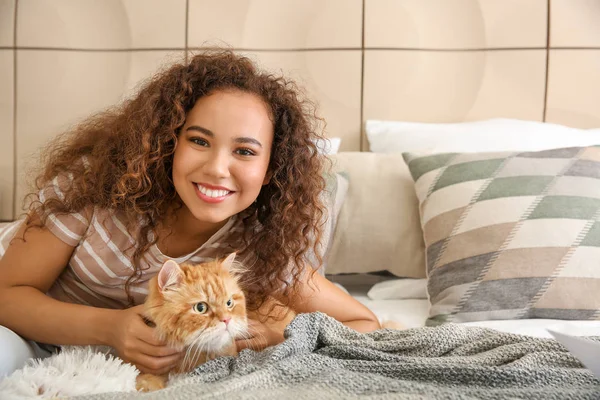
x=128 y=152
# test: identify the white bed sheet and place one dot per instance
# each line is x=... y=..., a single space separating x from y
x=539 y=327
x=412 y=313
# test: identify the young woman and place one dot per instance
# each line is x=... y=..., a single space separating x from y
x=210 y=157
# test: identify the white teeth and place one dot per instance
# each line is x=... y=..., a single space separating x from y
x=212 y=193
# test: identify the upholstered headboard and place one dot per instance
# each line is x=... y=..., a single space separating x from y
x=411 y=60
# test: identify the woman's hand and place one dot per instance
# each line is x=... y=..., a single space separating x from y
x=265 y=331
x=136 y=343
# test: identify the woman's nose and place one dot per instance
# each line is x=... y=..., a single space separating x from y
x=217 y=165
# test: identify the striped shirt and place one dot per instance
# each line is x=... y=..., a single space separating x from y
x=101 y=260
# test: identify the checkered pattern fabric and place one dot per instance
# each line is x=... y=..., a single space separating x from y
x=511 y=235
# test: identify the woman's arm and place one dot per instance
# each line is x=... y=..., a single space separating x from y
x=321 y=295
x=28 y=270
x=318 y=295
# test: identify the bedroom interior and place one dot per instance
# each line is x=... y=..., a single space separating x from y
x=466 y=129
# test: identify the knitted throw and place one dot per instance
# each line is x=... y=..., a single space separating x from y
x=323 y=359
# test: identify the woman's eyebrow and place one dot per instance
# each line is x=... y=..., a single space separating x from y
x=248 y=140
x=208 y=132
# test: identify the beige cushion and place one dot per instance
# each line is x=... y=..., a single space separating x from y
x=378 y=227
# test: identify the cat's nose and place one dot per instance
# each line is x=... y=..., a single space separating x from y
x=226 y=320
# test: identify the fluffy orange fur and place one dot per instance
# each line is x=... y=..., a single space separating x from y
x=197 y=308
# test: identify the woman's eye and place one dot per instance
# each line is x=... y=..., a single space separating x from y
x=201 y=307
x=245 y=152
x=230 y=303
x=199 y=141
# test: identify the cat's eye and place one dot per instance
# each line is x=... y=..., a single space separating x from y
x=230 y=303
x=201 y=308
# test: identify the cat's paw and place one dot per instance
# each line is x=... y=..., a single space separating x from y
x=150 y=383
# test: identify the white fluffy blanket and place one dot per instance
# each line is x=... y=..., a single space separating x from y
x=74 y=371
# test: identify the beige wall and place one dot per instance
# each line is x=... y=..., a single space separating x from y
x=416 y=60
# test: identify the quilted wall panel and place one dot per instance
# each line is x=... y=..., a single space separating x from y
x=434 y=61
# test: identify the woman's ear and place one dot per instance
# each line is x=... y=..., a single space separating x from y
x=268 y=177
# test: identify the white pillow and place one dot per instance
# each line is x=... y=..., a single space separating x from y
x=399 y=289
x=480 y=136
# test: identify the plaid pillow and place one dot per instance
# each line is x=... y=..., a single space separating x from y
x=511 y=235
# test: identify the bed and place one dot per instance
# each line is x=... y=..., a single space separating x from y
x=396 y=80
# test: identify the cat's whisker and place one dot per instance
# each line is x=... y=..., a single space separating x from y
x=254 y=342
x=238 y=332
x=197 y=353
x=193 y=351
x=204 y=348
x=244 y=335
x=187 y=358
x=186 y=362
x=203 y=345
x=193 y=348
x=191 y=357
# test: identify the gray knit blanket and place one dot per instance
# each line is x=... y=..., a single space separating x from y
x=323 y=359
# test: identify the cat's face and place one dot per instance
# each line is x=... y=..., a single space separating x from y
x=198 y=305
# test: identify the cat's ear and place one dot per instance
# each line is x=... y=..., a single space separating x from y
x=170 y=276
x=232 y=266
x=227 y=263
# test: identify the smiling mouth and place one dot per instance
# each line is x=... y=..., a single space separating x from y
x=213 y=193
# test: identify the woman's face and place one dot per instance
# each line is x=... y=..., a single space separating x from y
x=222 y=156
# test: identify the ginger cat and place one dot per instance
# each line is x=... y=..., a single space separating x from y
x=199 y=308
